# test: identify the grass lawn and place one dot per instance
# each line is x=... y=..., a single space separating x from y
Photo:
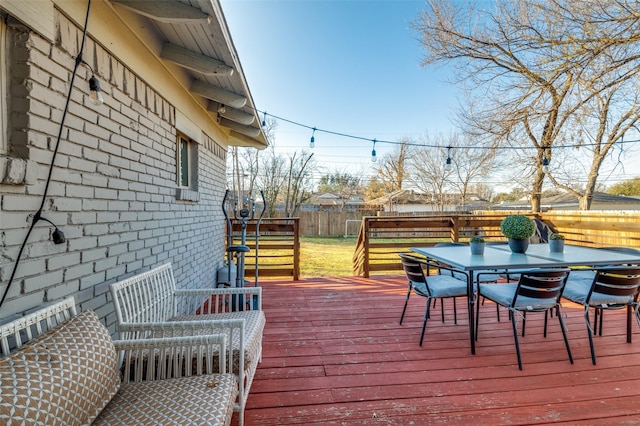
x=326 y=257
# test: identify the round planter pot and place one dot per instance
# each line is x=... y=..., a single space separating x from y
x=518 y=246
x=477 y=249
x=556 y=246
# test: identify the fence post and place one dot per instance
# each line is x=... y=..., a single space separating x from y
x=455 y=233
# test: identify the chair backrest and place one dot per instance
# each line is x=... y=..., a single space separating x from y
x=19 y=331
x=147 y=297
x=542 y=284
x=413 y=268
x=617 y=281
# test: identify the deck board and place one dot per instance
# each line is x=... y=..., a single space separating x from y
x=334 y=353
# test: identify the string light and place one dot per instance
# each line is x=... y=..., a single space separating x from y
x=447 y=164
x=373 y=152
x=312 y=142
x=545 y=161
x=264 y=118
x=422 y=145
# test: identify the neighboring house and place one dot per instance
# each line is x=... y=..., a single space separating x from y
x=332 y=202
x=408 y=201
x=600 y=201
x=138 y=181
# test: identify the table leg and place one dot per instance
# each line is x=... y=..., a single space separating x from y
x=470 y=297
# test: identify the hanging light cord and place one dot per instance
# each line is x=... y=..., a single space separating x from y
x=425 y=145
x=38 y=215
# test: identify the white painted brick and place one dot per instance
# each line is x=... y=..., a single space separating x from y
x=61 y=291
x=108 y=217
x=23 y=303
x=79 y=191
x=91 y=281
x=42 y=281
x=63 y=261
x=107 y=240
x=95 y=180
x=83 y=244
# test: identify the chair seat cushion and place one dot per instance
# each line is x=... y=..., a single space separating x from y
x=253 y=329
x=446 y=286
x=503 y=294
x=577 y=290
x=195 y=400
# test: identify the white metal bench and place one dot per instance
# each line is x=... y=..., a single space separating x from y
x=61 y=367
x=149 y=305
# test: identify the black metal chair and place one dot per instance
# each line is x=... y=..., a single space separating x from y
x=589 y=274
x=537 y=290
x=430 y=286
x=614 y=287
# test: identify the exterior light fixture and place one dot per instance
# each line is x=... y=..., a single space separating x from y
x=264 y=119
x=96 y=92
x=373 y=152
x=57 y=236
x=447 y=164
x=545 y=162
x=312 y=141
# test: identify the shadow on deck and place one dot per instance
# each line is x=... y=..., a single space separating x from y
x=334 y=354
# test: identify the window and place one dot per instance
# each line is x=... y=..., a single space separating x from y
x=4 y=70
x=184 y=152
x=187 y=162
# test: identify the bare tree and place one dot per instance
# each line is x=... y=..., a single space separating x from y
x=597 y=128
x=529 y=59
x=469 y=165
x=431 y=173
x=392 y=172
x=298 y=182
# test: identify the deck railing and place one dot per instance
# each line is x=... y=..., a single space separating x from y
x=278 y=248
x=382 y=238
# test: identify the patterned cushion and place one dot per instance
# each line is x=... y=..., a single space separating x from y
x=253 y=328
x=197 y=400
x=65 y=376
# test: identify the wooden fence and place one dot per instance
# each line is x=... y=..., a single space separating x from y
x=278 y=248
x=382 y=238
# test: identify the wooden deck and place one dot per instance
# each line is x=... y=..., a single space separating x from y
x=334 y=354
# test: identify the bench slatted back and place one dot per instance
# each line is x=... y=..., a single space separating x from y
x=147 y=297
x=18 y=332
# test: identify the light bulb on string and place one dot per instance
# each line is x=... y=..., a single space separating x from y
x=264 y=119
x=545 y=162
x=95 y=91
x=373 y=152
x=312 y=141
x=447 y=164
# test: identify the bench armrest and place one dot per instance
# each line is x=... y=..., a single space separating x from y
x=173 y=357
x=209 y=300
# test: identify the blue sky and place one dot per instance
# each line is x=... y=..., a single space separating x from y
x=351 y=67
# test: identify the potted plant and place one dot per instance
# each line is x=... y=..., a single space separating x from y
x=518 y=229
x=556 y=242
x=477 y=245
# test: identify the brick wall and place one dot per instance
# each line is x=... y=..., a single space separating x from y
x=113 y=188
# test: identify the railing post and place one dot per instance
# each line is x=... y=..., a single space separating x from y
x=296 y=249
x=455 y=234
x=366 y=269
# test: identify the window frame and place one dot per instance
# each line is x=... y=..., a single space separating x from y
x=4 y=87
x=183 y=157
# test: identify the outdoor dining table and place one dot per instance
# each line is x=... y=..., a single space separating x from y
x=499 y=257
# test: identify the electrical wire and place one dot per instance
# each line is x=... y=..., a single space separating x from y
x=424 y=145
x=38 y=215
